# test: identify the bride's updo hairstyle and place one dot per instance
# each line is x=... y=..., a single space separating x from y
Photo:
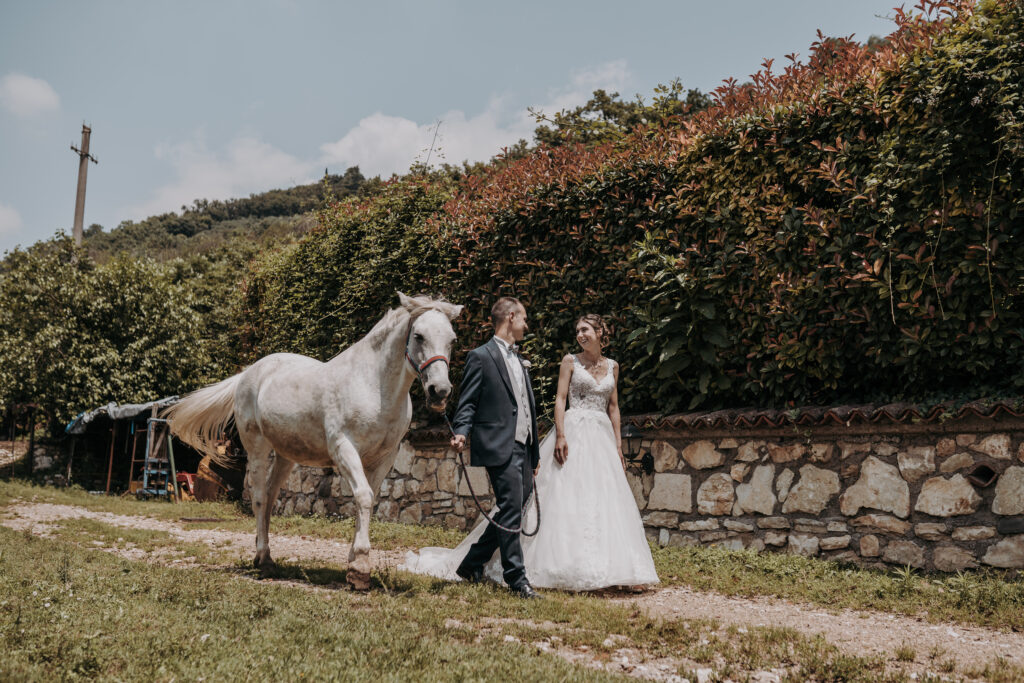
x=597 y=322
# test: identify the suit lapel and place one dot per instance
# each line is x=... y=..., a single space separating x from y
x=492 y=348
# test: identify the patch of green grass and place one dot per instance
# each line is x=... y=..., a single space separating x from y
x=985 y=597
x=93 y=614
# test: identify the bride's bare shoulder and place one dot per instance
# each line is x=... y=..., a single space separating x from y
x=568 y=359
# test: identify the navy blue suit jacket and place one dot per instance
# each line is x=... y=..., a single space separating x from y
x=487 y=409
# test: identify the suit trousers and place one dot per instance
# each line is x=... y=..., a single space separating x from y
x=512 y=483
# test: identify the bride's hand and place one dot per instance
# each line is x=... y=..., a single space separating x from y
x=561 y=449
x=622 y=458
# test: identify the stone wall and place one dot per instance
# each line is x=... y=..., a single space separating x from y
x=893 y=494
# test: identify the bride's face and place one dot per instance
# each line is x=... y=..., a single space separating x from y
x=587 y=337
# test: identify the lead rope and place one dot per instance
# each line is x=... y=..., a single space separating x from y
x=533 y=496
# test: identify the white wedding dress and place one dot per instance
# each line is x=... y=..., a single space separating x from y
x=591 y=535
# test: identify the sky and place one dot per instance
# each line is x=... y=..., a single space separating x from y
x=224 y=98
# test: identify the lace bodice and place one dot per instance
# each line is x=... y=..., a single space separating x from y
x=586 y=392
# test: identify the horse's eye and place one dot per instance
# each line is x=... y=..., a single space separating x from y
x=418 y=338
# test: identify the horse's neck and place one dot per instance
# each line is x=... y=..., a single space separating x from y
x=385 y=356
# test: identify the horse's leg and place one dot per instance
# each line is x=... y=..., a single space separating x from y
x=279 y=471
x=259 y=470
x=348 y=463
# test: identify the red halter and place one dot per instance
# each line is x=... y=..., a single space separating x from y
x=425 y=364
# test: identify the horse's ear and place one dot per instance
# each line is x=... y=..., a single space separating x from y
x=453 y=311
x=406 y=302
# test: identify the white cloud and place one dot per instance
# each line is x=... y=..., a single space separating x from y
x=25 y=96
x=382 y=144
x=10 y=220
x=379 y=144
x=247 y=165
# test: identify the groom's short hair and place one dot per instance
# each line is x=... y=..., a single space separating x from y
x=502 y=307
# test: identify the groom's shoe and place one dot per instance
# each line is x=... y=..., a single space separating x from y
x=470 y=575
x=526 y=592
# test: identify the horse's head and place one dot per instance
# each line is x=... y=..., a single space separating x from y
x=429 y=347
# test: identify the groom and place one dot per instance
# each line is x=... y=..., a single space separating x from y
x=496 y=411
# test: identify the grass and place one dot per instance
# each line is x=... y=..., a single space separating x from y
x=69 y=612
x=985 y=597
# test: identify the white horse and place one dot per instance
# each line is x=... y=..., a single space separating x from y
x=350 y=412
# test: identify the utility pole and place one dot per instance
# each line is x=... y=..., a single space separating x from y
x=83 y=169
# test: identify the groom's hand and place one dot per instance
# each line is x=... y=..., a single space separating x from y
x=458 y=442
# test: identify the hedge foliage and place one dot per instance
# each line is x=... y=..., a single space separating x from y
x=848 y=229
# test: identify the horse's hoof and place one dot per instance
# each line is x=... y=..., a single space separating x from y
x=359 y=581
x=265 y=564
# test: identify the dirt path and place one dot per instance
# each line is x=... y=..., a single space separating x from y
x=861 y=633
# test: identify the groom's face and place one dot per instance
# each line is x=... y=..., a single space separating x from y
x=517 y=324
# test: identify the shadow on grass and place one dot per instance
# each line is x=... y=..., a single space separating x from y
x=383 y=580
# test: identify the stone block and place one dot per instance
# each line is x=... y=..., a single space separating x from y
x=904 y=553
x=739 y=471
x=916 y=462
x=846 y=449
x=756 y=495
x=660 y=519
x=702 y=455
x=385 y=489
x=951 y=558
x=405 y=457
x=835 y=542
x=682 y=540
x=303 y=504
x=447 y=476
x=945 y=447
x=1020 y=451
x=884 y=449
x=1009 y=498
x=455 y=521
x=956 y=462
x=775 y=538
x=783 y=484
x=666 y=456
x=847 y=556
x=475 y=476
x=1007 y=553
x=730 y=544
x=728 y=443
x=809 y=526
x=636 y=486
x=965 y=439
x=782 y=454
x=837 y=527
x=849 y=470
x=412 y=514
x=803 y=544
x=715 y=496
x=711 y=536
x=822 y=452
x=973 y=533
x=813 y=491
x=699 y=525
x=947 y=497
x=320 y=507
x=773 y=523
x=1010 y=525
x=756 y=544
x=995 y=446
x=931 y=531
x=882 y=523
x=671 y=492
x=880 y=487
x=750 y=451
x=869 y=546
x=663 y=536
x=735 y=525
x=412 y=487
x=398 y=488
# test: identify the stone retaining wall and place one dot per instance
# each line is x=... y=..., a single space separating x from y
x=903 y=494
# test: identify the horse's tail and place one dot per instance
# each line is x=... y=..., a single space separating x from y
x=201 y=417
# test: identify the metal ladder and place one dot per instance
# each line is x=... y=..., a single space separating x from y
x=159 y=477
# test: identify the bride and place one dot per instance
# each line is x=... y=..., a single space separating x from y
x=591 y=535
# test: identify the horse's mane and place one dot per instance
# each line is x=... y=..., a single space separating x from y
x=419 y=305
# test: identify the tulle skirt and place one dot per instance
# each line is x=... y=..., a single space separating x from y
x=591 y=535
